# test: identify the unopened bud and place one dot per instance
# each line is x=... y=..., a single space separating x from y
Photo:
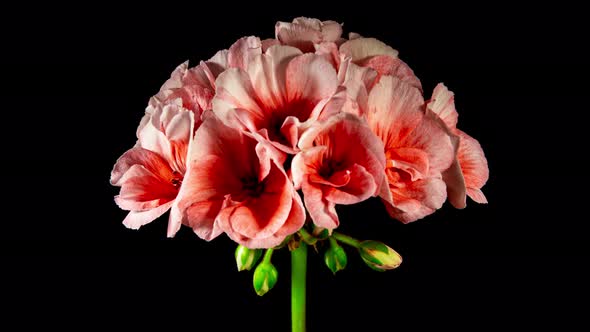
x=378 y=256
x=265 y=277
x=335 y=257
x=246 y=258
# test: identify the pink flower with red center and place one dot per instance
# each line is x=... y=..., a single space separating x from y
x=417 y=149
x=234 y=186
x=280 y=93
x=151 y=173
x=341 y=162
x=469 y=173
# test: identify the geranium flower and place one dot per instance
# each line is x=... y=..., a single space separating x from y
x=341 y=162
x=151 y=173
x=417 y=149
x=195 y=87
x=276 y=95
x=234 y=186
x=469 y=173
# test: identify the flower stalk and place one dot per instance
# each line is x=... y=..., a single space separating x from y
x=298 y=287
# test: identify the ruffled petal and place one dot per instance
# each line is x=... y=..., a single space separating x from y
x=442 y=104
x=474 y=166
x=360 y=49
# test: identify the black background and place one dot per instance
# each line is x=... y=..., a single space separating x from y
x=75 y=82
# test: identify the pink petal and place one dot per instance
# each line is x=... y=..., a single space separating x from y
x=321 y=211
x=148 y=160
x=474 y=166
x=361 y=48
x=395 y=109
x=234 y=90
x=136 y=219
x=261 y=216
x=143 y=190
x=329 y=51
x=242 y=51
x=310 y=77
x=304 y=32
x=455 y=182
x=360 y=187
x=268 y=75
x=392 y=66
x=358 y=80
x=267 y=43
x=417 y=200
x=442 y=104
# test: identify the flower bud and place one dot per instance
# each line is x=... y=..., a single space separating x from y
x=378 y=256
x=335 y=257
x=246 y=258
x=265 y=277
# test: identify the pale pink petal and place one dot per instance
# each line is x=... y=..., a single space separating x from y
x=354 y=35
x=361 y=48
x=268 y=74
x=304 y=32
x=267 y=43
x=234 y=90
x=387 y=65
x=310 y=77
x=474 y=166
x=395 y=109
x=329 y=50
x=358 y=80
x=243 y=51
x=136 y=219
x=218 y=63
x=442 y=104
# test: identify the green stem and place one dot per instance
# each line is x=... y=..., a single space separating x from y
x=298 y=274
x=267 y=255
x=346 y=239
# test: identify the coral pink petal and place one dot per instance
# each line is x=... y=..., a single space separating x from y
x=263 y=215
x=142 y=190
x=149 y=160
x=321 y=211
x=296 y=218
x=474 y=166
x=412 y=160
x=417 y=200
x=136 y=219
x=360 y=187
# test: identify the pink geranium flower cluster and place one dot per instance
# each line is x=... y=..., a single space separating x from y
x=263 y=134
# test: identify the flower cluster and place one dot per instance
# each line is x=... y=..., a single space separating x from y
x=270 y=133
